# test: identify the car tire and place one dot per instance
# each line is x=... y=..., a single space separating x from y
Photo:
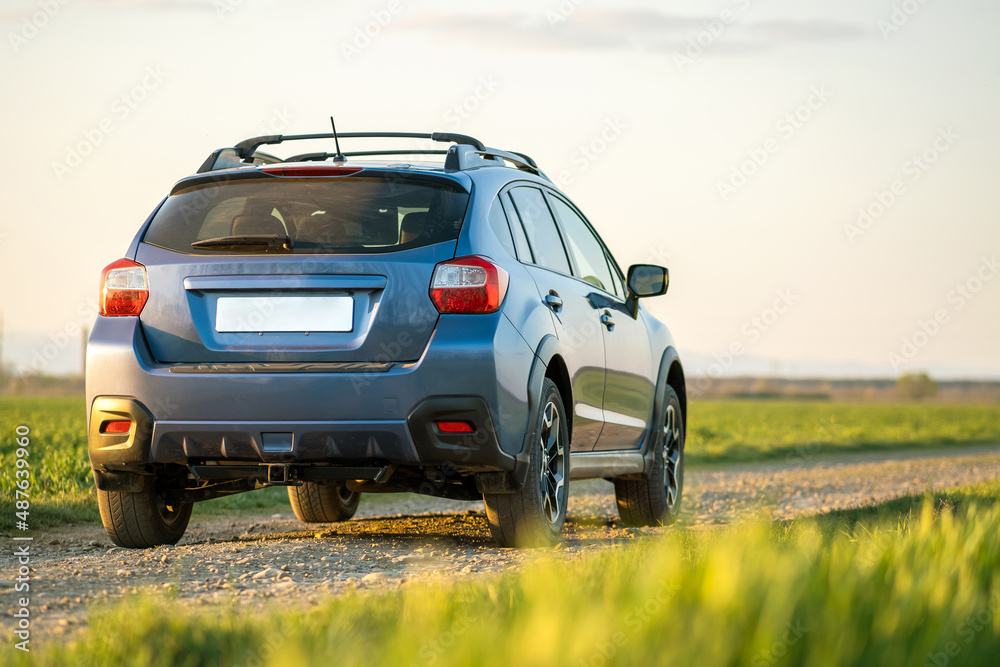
x=319 y=502
x=142 y=519
x=656 y=500
x=534 y=516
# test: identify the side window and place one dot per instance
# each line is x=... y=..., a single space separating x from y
x=498 y=221
x=540 y=229
x=586 y=249
x=615 y=284
x=617 y=278
x=520 y=240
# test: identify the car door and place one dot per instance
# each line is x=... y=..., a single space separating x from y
x=576 y=319
x=629 y=385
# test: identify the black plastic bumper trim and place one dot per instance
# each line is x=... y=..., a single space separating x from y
x=119 y=448
x=476 y=451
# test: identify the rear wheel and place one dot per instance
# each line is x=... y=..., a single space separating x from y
x=142 y=519
x=656 y=500
x=319 y=502
x=534 y=516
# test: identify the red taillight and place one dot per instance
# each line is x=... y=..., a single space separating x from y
x=124 y=289
x=124 y=426
x=468 y=285
x=310 y=170
x=455 y=427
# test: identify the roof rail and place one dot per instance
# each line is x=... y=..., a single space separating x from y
x=247 y=147
x=462 y=158
x=467 y=153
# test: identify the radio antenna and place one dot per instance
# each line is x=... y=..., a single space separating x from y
x=339 y=157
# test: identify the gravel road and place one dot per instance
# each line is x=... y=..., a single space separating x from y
x=394 y=540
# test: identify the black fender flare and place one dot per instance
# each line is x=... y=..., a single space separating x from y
x=670 y=360
x=547 y=348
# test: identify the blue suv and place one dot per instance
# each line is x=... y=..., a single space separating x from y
x=343 y=323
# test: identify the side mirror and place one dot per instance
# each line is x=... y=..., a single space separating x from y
x=645 y=280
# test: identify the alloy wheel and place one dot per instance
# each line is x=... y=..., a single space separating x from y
x=553 y=480
x=671 y=456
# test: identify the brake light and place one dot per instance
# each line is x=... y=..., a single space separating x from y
x=471 y=284
x=311 y=170
x=124 y=289
x=455 y=427
x=123 y=426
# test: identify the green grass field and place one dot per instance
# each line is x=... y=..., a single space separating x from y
x=913 y=582
x=718 y=432
x=731 y=431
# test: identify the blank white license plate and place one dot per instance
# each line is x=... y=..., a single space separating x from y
x=284 y=313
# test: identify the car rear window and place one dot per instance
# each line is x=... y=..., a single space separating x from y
x=342 y=215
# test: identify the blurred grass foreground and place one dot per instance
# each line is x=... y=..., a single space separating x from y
x=914 y=582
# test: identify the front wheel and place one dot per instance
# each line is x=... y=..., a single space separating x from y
x=142 y=519
x=534 y=516
x=656 y=500
x=323 y=502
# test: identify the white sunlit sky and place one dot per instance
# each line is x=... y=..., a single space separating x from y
x=837 y=162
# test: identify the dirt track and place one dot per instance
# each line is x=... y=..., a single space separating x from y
x=249 y=559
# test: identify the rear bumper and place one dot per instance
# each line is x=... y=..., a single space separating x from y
x=412 y=441
x=305 y=417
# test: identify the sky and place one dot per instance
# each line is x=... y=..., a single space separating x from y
x=820 y=178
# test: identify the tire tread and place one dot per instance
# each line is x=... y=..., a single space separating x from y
x=132 y=518
x=320 y=503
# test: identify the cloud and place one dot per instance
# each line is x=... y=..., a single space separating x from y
x=631 y=29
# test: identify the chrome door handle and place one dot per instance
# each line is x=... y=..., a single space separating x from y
x=553 y=301
x=607 y=320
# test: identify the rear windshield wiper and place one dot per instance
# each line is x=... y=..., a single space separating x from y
x=269 y=240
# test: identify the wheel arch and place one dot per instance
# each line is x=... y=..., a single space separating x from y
x=671 y=373
x=548 y=363
x=557 y=372
x=675 y=379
